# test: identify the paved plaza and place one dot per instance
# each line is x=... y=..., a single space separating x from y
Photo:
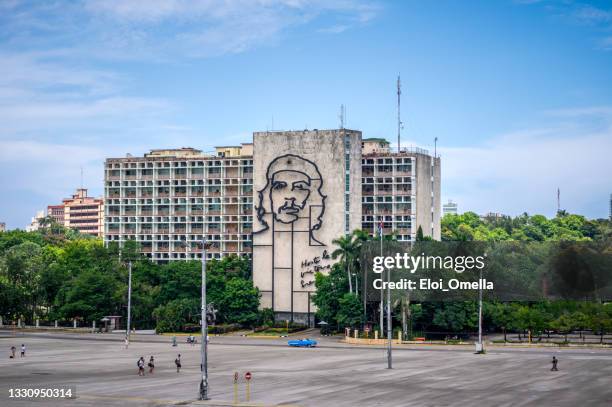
x=105 y=374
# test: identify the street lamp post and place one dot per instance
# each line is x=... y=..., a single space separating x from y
x=479 y=348
x=204 y=345
x=389 y=324
x=129 y=307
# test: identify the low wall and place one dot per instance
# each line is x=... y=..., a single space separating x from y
x=366 y=341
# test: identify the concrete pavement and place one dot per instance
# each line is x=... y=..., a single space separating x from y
x=105 y=373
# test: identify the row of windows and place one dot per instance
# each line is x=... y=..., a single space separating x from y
x=179 y=164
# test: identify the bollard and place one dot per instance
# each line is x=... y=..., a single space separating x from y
x=235 y=387
x=74 y=323
x=376 y=334
x=356 y=333
x=56 y=323
x=37 y=323
x=93 y=327
x=399 y=336
x=19 y=323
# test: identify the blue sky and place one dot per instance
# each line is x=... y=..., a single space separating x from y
x=518 y=92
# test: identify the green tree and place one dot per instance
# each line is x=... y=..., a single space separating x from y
x=20 y=270
x=174 y=315
x=330 y=288
x=349 y=311
x=563 y=324
x=346 y=252
x=92 y=295
x=240 y=302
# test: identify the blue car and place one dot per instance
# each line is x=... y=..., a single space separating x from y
x=303 y=343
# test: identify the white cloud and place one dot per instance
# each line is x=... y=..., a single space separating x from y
x=169 y=30
x=521 y=172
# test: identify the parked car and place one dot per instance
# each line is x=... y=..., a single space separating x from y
x=302 y=343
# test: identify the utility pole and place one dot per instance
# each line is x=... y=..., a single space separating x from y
x=204 y=343
x=129 y=309
x=389 y=324
x=479 y=348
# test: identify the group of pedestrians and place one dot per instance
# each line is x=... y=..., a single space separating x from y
x=14 y=350
x=151 y=365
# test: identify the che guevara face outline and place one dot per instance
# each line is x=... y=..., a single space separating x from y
x=289 y=194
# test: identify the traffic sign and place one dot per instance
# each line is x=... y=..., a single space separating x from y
x=247 y=376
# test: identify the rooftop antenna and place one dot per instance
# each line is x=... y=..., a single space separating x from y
x=81 y=177
x=399 y=121
x=558 y=200
x=342 y=116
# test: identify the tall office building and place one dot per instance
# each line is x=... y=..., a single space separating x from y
x=167 y=200
x=170 y=199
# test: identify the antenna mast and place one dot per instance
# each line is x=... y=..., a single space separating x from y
x=399 y=121
x=342 y=116
x=558 y=200
x=81 y=177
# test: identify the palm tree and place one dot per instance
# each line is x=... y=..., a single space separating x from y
x=346 y=251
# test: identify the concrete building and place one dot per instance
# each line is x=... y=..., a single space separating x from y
x=449 y=208
x=282 y=199
x=307 y=192
x=56 y=212
x=2 y=227
x=400 y=189
x=169 y=199
x=35 y=223
x=80 y=212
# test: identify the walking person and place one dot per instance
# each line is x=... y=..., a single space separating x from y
x=23 y=349
x=151 y=364
x=13 y=350
x=177 y=362
x=141 y=364
x=554 y=364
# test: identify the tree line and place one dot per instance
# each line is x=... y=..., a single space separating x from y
x=57 y=274
x=341 y=305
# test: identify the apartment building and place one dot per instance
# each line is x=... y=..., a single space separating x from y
x=401 y=190
x=80 y=212
x=169 y=199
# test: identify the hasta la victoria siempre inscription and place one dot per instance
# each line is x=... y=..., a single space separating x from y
x=312 y=267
